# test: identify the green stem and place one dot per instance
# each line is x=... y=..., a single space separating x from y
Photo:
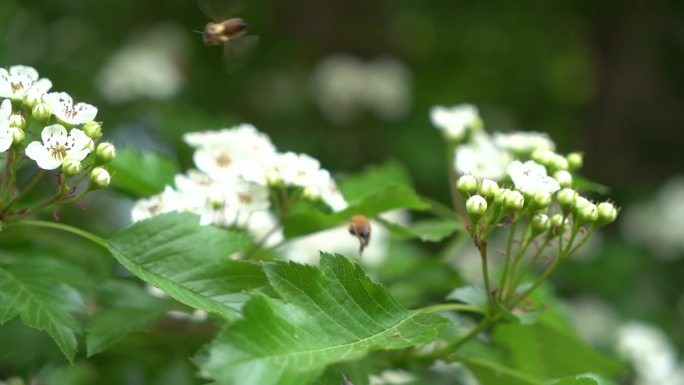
x=529 y=265
x=6 y=187
x=485 y=275
x=29 y=186
x=453 y=306
x=507 y=257
x=59 y=226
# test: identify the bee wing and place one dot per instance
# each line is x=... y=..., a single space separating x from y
x=219 y=10
x=238 y=51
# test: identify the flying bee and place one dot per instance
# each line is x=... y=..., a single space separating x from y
x=229 y=31
x=360 y=227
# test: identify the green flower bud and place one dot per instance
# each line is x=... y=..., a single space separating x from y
x=513 y=201
x=476 y=206
x=99 y=178
x=500 y=195
x=607 y=213
x=540 y=200
x=580 y=203
x=18 y=135
x=543 y=157
x=575 y=160
x=93 y=129
x=17 y=120
x=105 y=152
x=587 y=214
x=558 y=162
x=71 y=167
x=563 y=177
x=466 y=185
x=540 y=223
x=42 y=113
x=488 y=189
x=558 y=225
x=566 y=198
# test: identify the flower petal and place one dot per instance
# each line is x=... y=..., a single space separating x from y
x=54 y=135
x=24 y=72
x=38 y=152
x=84 y=113
x=6 y=109
x=5 y=136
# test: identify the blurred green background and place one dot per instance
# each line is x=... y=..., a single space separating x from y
x=601 y=77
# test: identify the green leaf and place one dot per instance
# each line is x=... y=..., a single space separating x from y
x=469 y=294
x=34 y=291
x=429 y=230
x=373 y=180
x=389 y=198
x=189 y=262
x=582 y=379
x=492 y=373
x=141 y=174
x=546 y=352
x=327 y=315
x=584 y=184
x=130 y=309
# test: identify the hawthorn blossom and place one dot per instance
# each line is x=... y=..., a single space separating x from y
x=455 y=121
x=59 y=145
x=167 y=201
x=5 y=132
x=522 y=143
x=62 y=106
x=481 y=158
x=530 y=177
x=21 y=81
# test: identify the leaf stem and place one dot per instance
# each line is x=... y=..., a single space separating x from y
x=60 y=226
x=453 y=306
x=29 y=186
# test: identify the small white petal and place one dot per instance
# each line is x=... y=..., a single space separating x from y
x=84 y=113
x=54 y=135
x=5 y=136
x=37 y=152
x=24 y=72
x=6 y=109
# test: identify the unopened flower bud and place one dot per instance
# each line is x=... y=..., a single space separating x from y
x=17 y=120
x=587 y=214
x=580 y=203
x=540 y=200
x=543 y=157
x=500 y=195
x=488 y=189
x=476 y=206
x=466 y=185
x=93 y=129
x=99 y=177
x=607 y=213
x=105 y=152
x=566 y=198
x=42 y=112
x=558 y=162
x=18 y=135
x=558 y=225
x=71 y=167
x=513 y=201
x=540 y=223
x=563 y=177
x=575 y=160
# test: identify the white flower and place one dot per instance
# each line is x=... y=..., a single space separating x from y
x=481 y=159
x=455 y=121
x=18 y=81
x=5 y=131
x=167 y=201
x=58 y=145
x=63 y=108
x=226 y=154
x=296 y=170
x=650 y=351
x=248 y=196
x=530 y=177
x=388 y=88
x=524 y=142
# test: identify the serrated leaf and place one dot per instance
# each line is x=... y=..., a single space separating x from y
x=141 y=174
x=582 y=379
x=35 y=292
x=546 y=352
x=329 y=314
x=128 y=309
x=373 y=179
x=189 y=262
x=429 y=230
x=469 y=294
x=389 y=198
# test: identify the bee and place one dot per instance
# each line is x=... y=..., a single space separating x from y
x=229 y=31
x=360 y=227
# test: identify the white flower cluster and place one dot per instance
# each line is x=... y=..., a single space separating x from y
x=651 y=353
x=148 y=67
x=27 y=96
x=658 y=222
x=343 y=86
x=238 y=171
